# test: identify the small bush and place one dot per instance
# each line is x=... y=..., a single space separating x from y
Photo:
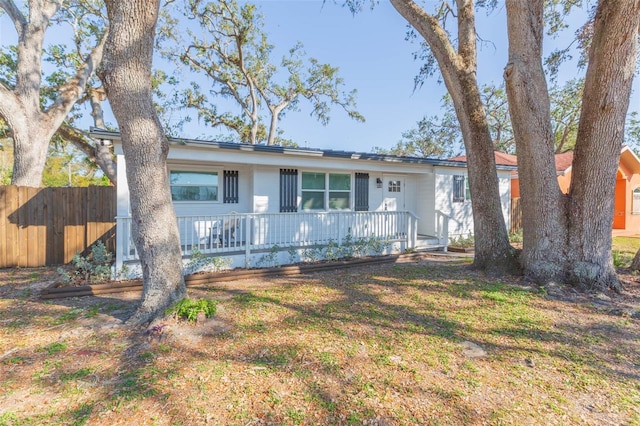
x=462 y=241
x=188 y=309
x=93 y=268
x=200 y=262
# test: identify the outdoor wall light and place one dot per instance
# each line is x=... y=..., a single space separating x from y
x=379 y=182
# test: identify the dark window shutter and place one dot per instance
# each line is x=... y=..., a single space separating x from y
x=288 y=190
x=230 y=187
x=362 y=192
x=458 y=189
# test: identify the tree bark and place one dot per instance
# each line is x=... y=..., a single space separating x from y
x=493 y=251
x=543 y=213
x=126 y=76
x=607 y=90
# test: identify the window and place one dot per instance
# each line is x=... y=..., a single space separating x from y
x=194 y=186
x=361 y=192
x=320 y=190
x=635 y=202
x=230 y=187
x=395 y=186
x=339 y=191
x=288 y=190
x=313 y=190
x=460 y=188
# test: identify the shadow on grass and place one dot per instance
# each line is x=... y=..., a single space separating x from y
x=350 y=345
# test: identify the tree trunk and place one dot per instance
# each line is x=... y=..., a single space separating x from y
x=635 y=263
x=493 y=251
x=543 y=206
x=31 y=137
x=568 y=238
x=126 y=75
x=607 y=89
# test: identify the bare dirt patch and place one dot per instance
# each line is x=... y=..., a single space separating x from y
x=377 y=345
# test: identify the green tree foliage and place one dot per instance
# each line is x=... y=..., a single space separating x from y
x=231 y=48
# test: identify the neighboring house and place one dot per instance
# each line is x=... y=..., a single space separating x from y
x=626 y=215
x=627 y=193
x=256 y=202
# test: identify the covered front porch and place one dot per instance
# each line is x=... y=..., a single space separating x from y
x=272 y=239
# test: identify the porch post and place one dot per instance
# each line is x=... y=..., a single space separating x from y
x=413 y=229
x=247 y=240
x=117 y=267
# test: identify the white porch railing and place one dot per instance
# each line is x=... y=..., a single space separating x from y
x=442 y=228
x=250 y=232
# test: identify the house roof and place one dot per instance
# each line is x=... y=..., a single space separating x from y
x=563 y=161
x=326 y=153
x=502 y=159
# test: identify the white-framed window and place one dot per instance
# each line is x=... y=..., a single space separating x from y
x=635 y=201
x=395 y=186
x=461 y=192
x=325 y=191
x=194 y=186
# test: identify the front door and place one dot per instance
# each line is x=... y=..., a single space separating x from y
x=393 y=186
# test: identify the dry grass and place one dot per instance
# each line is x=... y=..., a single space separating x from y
x=371 y=345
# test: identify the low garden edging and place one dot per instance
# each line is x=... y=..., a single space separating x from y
x=57 y=291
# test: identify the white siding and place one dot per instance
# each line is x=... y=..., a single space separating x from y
x=376 y=194
x=425 y=199
x=505 y=196
x=266 y=189
x=461 y=222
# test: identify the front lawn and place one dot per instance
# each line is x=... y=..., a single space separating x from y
x=381 y=345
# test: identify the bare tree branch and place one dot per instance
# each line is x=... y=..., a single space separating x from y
x=19 y=20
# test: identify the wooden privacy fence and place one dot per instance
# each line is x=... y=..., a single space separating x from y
x=48 y=226
x=516 y=215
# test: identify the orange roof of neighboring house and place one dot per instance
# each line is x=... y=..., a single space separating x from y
x=563 y=161
x=502 y=158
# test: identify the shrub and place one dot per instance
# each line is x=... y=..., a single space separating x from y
x=92 y=268
x=462 y=241
x=188 y=309
x=199 y=262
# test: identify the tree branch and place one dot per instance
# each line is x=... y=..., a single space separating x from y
x=429 y=27
x=19 y=20
x=74 y=89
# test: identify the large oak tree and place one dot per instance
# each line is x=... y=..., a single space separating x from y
x=126 y=75
x=458 y=65
x=568 y=237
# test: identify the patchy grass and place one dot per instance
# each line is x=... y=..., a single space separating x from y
x=624 y=248
x=369 y=345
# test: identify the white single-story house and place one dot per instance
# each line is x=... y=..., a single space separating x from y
x=268 y=204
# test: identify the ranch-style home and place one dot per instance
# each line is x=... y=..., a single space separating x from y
x=256 y=203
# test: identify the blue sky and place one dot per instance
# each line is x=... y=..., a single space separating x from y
x=374 y=58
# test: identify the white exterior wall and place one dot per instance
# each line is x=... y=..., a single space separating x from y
x=266 y=190
x=461 y=222
x=425 y=200
x=504 y=182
